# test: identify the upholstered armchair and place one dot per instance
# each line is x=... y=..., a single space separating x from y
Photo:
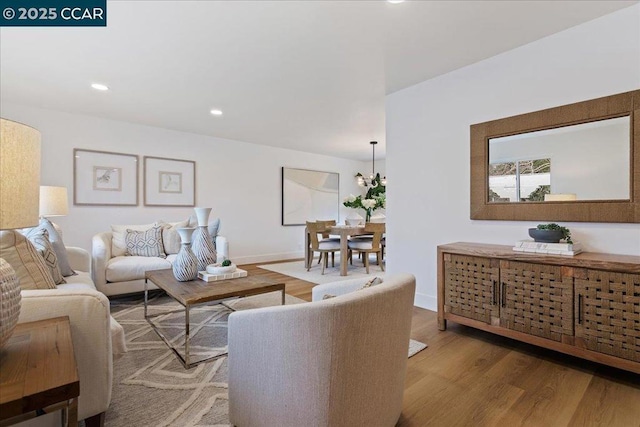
x=334 y=362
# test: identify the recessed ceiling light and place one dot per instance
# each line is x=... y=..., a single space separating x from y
x=216 y=112
x=395 y=1
x=99 y=86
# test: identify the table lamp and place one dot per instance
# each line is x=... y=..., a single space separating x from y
x=560 y=197
x=19 y=200
x=53 y=201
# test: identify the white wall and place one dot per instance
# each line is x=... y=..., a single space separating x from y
x=240 y=181
x=428 y=139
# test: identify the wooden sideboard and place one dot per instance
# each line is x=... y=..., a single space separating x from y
x=587 y=305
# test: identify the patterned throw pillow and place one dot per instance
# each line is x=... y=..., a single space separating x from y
x=29 y=266
x=55 y=237
x=39 y=237
x=145 y=243
x=372 y=282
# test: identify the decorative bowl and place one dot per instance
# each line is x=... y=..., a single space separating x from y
x=219 y=269
x=545 y=236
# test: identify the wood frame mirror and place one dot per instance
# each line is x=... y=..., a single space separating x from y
x=624 y=211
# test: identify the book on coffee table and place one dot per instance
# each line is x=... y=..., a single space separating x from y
x=207 y=277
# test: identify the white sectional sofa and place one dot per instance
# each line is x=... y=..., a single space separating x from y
x=117 y=274
x=96 y=335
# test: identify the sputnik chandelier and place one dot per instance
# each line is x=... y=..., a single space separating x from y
x=374 y=179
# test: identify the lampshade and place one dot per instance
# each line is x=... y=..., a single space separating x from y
x=559 y=197
x=53 y=201
x=19 y=175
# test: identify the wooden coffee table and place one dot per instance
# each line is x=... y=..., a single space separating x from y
x=198 y=292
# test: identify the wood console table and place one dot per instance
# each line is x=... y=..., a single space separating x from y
x=586 y=306
x=38 y=373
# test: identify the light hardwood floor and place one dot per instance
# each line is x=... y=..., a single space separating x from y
x=468 y=377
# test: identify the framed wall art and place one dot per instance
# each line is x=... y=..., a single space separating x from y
x=102 y=178
x=309 y=195
x=169 y=182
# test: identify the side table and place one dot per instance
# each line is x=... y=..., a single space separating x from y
x=38 y=373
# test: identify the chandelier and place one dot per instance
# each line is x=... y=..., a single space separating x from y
x=373 y=180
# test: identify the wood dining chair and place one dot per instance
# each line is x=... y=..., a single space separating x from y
x=327 y=224
x=323 y=246
x=367 y=246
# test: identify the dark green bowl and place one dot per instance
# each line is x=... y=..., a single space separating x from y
x=545 y=236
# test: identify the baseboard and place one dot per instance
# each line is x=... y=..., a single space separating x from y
x=253 y=259
x=426 y=301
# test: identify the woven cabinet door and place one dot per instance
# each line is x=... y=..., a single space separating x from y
x=536 y=299
x=471 y=287
x=608 y=313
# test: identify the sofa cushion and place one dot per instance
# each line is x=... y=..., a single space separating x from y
x=124 y=268
x=119 y=233
x=145 y=243
x=39 y=237
x=29 y=266
x=170 y=237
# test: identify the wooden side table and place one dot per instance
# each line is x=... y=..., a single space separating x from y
x=38 y=373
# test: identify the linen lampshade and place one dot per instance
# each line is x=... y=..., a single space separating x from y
x=559 y=197
x=53 y=201
x=19 y=175
x=19 y=199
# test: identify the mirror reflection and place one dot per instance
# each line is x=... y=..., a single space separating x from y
x=589 y=161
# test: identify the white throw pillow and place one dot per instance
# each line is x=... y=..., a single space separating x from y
x=118 y=243
x=170 y=237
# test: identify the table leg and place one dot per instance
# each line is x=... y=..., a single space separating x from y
x=146 y=296
x=186 y=337
x=343 y=255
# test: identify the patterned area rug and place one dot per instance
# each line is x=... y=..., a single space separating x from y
x=150 y=385
x=331 y=274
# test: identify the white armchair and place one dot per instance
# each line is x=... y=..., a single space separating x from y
x=334 y=362
x=91 y=331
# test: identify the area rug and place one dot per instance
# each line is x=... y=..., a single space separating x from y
x=332 y=274
x=150 y=385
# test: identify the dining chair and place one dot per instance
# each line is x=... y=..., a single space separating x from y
x=327 y=224
x=367 y=246
x=323 y=246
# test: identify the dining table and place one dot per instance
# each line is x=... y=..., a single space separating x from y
x=344 y=231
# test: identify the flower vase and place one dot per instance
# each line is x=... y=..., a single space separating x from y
x=202 y=245
x=368 y=215
x=185 y=266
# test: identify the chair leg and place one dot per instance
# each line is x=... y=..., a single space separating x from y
x=350 y=256
x=380 y=263
x=324 y=264
x=366 y=260
x=310 y=260
x=333 y=259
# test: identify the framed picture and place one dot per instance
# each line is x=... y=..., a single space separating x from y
x=102 y=178
x=169 y=182
x=309 y=195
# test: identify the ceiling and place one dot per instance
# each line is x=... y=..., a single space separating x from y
x=305 y=75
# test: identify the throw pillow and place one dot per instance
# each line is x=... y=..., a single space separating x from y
x=119 y=232
x=170 y=237
x=55 y=237
x=372 y=282
x=25 y=260
x=145 y=243
x=39 y=237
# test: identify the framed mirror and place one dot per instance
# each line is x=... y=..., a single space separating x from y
x=578 y=162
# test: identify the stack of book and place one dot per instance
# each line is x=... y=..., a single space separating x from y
x=548 y=248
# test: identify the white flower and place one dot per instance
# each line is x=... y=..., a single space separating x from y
x=350 y=198
x=369 y=203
